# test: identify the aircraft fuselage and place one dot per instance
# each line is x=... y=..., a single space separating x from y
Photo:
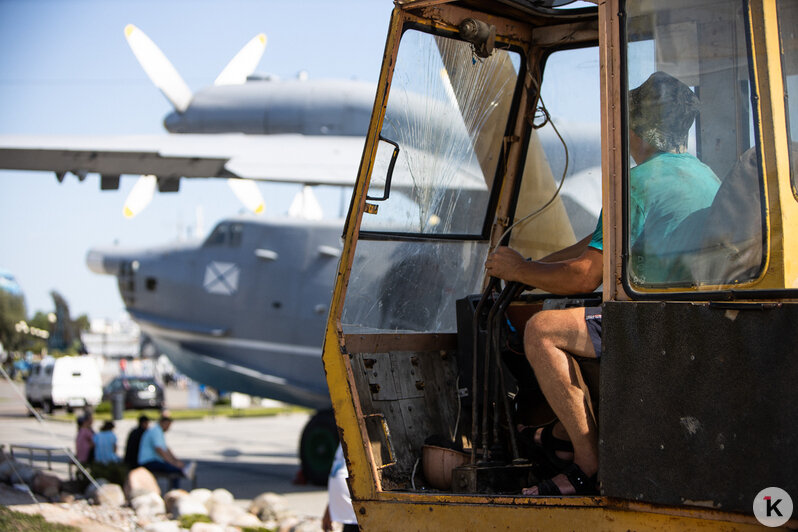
x=263 y=107
x=243 y=311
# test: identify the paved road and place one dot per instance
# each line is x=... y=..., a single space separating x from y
x=247 y=456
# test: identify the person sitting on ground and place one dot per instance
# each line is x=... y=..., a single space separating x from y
x=105 y=445
x=84 y=441
x=134 y=441
x=666 y=186
x=158 y=458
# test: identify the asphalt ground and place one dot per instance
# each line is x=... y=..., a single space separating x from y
x=247 y=456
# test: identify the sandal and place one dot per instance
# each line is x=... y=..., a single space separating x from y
x=582 y=484
x=548 y=447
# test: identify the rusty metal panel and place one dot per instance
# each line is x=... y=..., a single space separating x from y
x=698 y=402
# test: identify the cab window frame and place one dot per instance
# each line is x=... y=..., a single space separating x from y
x=498 y=178
x=725 y=292
x=790 y=139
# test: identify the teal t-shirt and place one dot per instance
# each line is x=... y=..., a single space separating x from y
x=104 y=447
x=664 y=190
x=152 y=439
x=598 y=234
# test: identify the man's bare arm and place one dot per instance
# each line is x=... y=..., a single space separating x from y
x=579 y=275
x=168 y=457
x=571 y=252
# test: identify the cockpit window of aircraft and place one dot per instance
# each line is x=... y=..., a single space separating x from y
x=446 y=120
x=550 y=217
x=788 y=22
x=225 y=234
x=694 y=218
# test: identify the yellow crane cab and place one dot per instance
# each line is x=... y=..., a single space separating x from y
x=509 y=122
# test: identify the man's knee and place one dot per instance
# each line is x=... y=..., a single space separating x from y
x=539 y=326
x=538 y=333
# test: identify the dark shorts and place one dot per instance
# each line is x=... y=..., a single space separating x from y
x=593 y=321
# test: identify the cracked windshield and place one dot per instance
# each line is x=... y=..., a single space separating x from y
x=447 y=112
x=445 y=121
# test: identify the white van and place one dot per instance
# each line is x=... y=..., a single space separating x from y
x=69 y=382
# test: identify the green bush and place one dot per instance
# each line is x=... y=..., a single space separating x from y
x=113 y=473
x=187 y=521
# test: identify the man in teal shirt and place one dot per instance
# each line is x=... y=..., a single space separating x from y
x=156 y=456
x=666 y=186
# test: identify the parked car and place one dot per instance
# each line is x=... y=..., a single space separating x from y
x=139 y=392
x=69 y=382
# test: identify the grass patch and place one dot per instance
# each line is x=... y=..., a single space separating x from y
x=187 y=521
x=20 y=522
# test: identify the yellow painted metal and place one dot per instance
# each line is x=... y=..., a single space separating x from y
x=363 y=480
x=781 y=208
x=611 y=148
x=782 y=205
x=383 y=510
x=443 y=514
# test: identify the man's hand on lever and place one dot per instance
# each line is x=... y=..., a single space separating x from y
x=505 y=263
x=576 y=269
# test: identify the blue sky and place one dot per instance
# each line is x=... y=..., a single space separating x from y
x=65 y=68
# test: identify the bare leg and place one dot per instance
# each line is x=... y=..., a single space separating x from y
x=550 y=338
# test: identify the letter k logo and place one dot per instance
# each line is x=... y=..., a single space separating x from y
x=772 y=506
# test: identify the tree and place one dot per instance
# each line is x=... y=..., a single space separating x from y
x=12 y=311
x=82 y=323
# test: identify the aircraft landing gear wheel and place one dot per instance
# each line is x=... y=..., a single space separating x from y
x=317 y=447
x=47 y=406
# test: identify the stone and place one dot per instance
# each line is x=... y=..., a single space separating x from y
x=270 y=506
x=47 y=485
x=163 y=526
x=206 y=527
x=189 y=506
x=11 y=471
x=308 y=525
x=140 y=482
x=148 y=505
x=171 y=498
x=109 y=495
x=247 y=520
x=224 y=513
x=5 y=469
x=286 y=525
x=91 y=489
x=202 y=494
x=219 y=496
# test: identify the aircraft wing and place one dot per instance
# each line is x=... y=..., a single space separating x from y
x=311 y=160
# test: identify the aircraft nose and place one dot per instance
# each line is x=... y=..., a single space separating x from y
x=103 y=262
x=173 y=122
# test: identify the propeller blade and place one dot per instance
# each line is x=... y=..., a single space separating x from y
x=140 y=195
x=158 y=68
x=305 y=205
x=248 y=193
x=244 y=62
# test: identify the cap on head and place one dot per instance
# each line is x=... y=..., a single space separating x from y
x=661 y=111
